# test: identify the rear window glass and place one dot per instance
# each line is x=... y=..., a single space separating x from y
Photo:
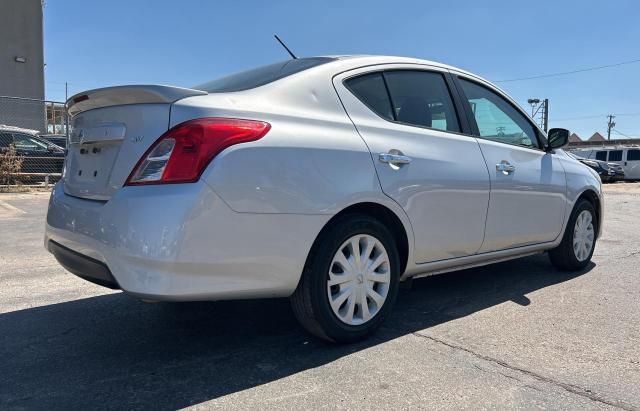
x=615 y=155
x=370 y=89
x=260 y=76
x=633 y=155
x=601 y=155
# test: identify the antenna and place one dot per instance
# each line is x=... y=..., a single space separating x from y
x=293 y=56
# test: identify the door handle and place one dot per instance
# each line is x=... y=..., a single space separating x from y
x=395 y=159
x=505 y=167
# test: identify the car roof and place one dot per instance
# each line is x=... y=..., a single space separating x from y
x=340 y=63
x=365 y=60
x=15 y=129
x=343 y=63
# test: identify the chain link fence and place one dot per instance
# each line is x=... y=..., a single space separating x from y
x=33 y=139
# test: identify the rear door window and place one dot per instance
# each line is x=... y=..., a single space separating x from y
x=421 y=98
x=615 y=155
x=601 y=155
x=633 y=155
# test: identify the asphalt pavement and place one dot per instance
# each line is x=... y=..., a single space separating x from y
x=518 y=334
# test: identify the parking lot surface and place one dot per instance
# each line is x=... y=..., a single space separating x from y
x=516 y=334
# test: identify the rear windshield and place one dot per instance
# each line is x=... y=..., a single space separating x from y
x=260 y=76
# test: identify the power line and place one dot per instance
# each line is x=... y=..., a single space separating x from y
x=579 y=118
x=622 y=134
x=564 y=73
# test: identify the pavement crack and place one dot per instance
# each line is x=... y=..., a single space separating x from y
x=632 y=254
x=571 y=388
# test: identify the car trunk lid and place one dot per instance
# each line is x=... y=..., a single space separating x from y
x=111 y=129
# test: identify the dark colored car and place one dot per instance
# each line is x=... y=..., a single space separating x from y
x=59 y=140
x=39 y=157
x=607 y=174
x=619 y=171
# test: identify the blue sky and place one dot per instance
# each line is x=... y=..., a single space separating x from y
x=96 y=44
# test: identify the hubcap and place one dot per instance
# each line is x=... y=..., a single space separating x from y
x=359 y=278
x=583 y=235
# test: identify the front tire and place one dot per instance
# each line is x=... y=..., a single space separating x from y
x=579 y=240
x=350 y=280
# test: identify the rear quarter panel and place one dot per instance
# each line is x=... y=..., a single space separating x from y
x=312 y=161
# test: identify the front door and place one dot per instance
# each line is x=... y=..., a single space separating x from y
x=528 y=185
x=423 y=159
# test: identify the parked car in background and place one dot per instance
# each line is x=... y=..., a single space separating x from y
x=605 y=171
x=59 y=140
x=39 y=157
x=618 y=172
x=626 y=157
x=326 y=179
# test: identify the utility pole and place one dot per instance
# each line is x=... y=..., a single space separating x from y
x=610 y=125
x=66 y=114
x=543 y=108
x=534 y=103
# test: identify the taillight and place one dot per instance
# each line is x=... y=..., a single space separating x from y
x=181 y=154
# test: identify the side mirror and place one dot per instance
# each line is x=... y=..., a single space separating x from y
x=557 y=138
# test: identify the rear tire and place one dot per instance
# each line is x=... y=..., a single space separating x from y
x=343 y=296
x=579 y=240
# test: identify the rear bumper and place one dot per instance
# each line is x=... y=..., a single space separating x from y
x=83 y=266
x=179 y=242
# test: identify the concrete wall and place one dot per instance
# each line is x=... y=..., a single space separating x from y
x=21 y=35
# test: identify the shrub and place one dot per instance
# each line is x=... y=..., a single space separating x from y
x=10 y=163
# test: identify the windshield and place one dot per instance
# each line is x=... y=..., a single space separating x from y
x=260 y=76
x=25 y=142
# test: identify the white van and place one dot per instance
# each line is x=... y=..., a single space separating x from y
x=627 y=157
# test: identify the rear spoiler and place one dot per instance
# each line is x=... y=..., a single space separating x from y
x=119 y=95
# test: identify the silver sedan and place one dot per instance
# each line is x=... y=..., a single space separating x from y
x=328 y=180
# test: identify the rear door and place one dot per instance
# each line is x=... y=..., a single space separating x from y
x=632 y=164
x=425 y=162
x=528 y=185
